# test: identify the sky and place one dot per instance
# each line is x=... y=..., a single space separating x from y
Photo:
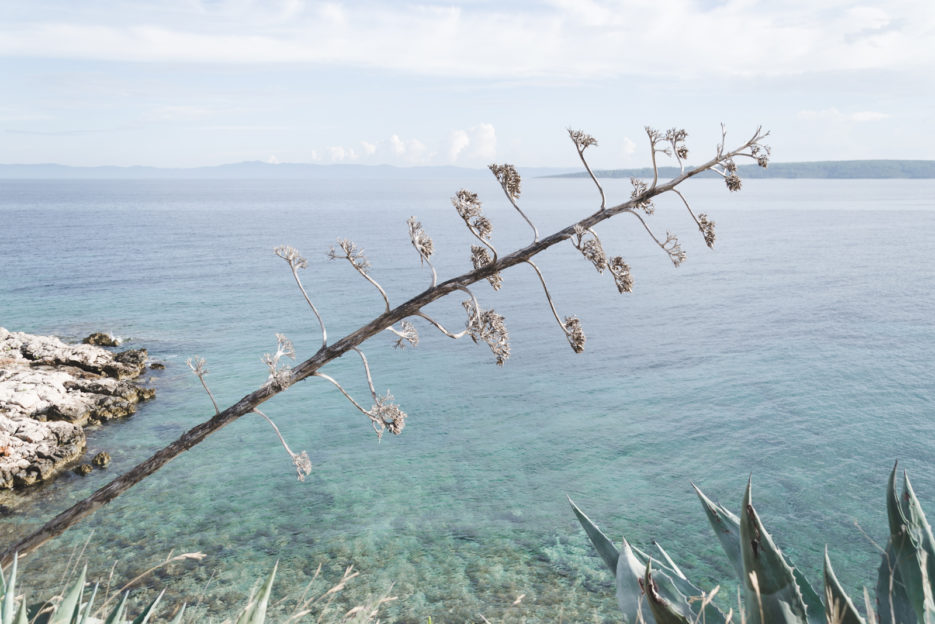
x=185 y=83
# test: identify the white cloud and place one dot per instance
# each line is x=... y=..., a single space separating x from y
x=474 y=146
x=564 y=39
x=629 y=147
x=273 y=160
x=833 y=114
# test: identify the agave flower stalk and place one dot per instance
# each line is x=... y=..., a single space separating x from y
x=486 y=325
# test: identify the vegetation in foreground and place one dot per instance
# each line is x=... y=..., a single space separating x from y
x=773 y=590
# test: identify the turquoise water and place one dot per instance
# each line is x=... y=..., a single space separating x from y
x=799 y=350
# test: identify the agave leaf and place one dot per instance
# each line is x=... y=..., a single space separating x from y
x=838 y=606
x=712 y=614
x=87 y=609
x=604 y=546
x=629 y=573
x=67 y=610
x=669 y=561
x=255 y=613
x=893 y=605
x=912 y=510
x=178 y=618
x=21 y=617
x=143 y=617
x=664 y=612
x=116 y=616
x=775 y=589
x=908 y=532
x=9 y=596
x=727 y=528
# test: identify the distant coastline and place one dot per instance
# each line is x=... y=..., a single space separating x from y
x=831 y=169
x=827 y=169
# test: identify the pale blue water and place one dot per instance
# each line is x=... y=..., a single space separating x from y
x=799 y=350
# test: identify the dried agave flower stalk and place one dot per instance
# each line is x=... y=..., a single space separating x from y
x=482 y=325
x=357 y=259
x=583 y=141
x=469 y=209
x=509 y=180
x=296 y=262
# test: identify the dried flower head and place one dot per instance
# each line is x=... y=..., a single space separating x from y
x=590 y=248
x=621 y=272
x=291 y=255
x=574 y=333
x=508 y=178
x=198 y=366
x=281 y=375
x=488 y=326
x=676 y=138
x=385 y=414
x=420 y=240
x=640 y=188
x=707 y=229
x=469 y=209
x=351 y=253
x=733 y=182
x=674 y=249
x=653 y=134
x=761 y=153
x=480 y=257
x=303 y=465
x=409 y=334
x=729 y=165
x=581 y=139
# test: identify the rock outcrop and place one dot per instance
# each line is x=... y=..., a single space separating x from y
x=49 y=391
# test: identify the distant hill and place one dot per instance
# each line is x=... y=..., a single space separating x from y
x=840 y=169
x=830 y=169
x=253 y=170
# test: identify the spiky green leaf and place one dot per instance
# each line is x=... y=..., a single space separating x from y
x=629 y=575
x=255 y=613
x=143 y=617
x=908 y=533
x=178 y=618
x=90 y=604
x=663 y=610
x=21 y=616
x=7 y=609
x=774 y=588
x=67 y=610
x=727 y=528
x=116 y=615
x=839 y=608
x=604 y=546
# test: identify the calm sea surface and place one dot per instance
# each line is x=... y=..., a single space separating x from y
x=799 y=350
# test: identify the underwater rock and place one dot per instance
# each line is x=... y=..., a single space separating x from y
x=49 y=390
x=102 y=340
x=101 y=459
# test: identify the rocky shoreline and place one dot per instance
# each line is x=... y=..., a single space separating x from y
x=49 y=391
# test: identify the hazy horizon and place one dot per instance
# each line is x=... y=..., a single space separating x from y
x=189 y=83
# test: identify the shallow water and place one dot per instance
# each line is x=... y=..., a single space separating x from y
x=799 y=350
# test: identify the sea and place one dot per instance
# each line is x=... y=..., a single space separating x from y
x=798 y=353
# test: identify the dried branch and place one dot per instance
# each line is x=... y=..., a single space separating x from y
x=303 y=465
x=481 y=322
x=582 y=142
x=359 y=261
x=509 y=180
x=296 y=262
x=198 y=367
